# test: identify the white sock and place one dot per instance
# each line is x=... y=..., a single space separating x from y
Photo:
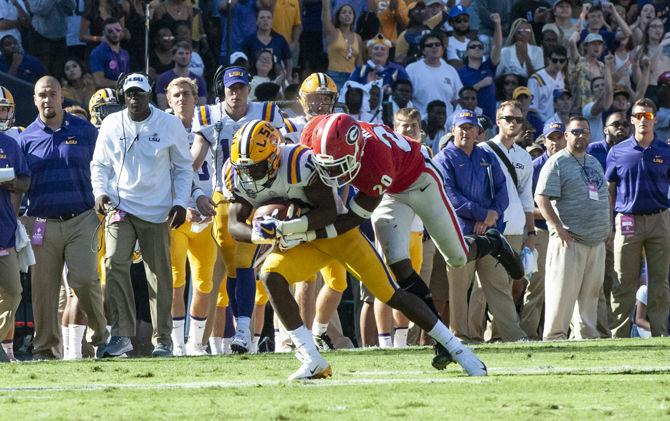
x=254 y=344
x=304 y=342
x=226 y=346
x=443 y=335
x=385 y=340
x=216 y=345
x=76 y=337
x=319 y=329
x=400 y=337
x=8 y=347
x=65 y=332
x=177 y=334
x=243 y=323
x=196 y=331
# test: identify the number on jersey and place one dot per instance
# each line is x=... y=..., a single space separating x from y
x=387 y=136
x=385 y=182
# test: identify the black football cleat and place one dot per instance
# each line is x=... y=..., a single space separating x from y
x=505 y=255
x=442 y=357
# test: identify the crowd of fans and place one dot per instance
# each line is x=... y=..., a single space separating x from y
x=562 y=91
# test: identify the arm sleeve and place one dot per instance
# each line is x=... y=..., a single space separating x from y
x=549 y=183
x=101 y=164
x=182 y=165
x=501 y=200
x=610 y=169
x=526 y=186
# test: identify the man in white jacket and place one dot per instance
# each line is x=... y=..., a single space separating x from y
x=141 y=174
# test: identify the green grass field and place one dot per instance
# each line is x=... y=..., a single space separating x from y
x=620 y=379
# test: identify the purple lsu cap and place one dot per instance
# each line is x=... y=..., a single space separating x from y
x=553 y=126
x=235 y=74
x=466 y=117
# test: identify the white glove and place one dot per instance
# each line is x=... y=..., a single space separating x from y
x=287 y=242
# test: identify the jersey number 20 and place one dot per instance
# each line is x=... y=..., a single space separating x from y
x=386 y=137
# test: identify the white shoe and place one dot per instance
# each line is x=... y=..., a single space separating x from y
x=472 y=365
x=241 y=342
x=179 y=351
x=313 y=367
x=195 y=350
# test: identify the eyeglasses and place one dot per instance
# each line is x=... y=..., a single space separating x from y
x=558 y=60
x=462 y=20
x=433 y=44
x=475 y=47
x=646 y=116
x=580 y=132
x=512 y=119
x=619 y=124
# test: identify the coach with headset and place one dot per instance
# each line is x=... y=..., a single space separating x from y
x=141 y=174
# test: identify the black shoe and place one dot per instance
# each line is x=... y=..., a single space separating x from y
x=442 y=357
x=323 y=342
x=45 y=355
x=506 y=255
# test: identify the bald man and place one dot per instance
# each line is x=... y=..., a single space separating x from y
x=60 y=219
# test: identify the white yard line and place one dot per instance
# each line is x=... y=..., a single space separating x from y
x=6 y=392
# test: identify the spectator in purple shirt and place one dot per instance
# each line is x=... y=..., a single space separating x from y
x=18 y=63
x=108 y=60
x=11 y=157
x=477 y=189
x=638 y=172
x=58 y=148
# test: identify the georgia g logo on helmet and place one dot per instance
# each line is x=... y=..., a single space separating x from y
x=353 y=135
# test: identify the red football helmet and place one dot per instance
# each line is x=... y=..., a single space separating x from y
x=338 y=143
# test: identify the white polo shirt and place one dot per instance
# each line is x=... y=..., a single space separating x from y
x=521 y=200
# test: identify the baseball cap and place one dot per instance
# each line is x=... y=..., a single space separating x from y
x=593 y=38
x=466 y=117
x=560 y=92
x=138 y=81
x=429 y=2
x=238 y=55
x=235 y=74
x=534 y=147
x=621 y=90
x=415 y=5
x=664 y=78
x=521 y=90
x=561 y=1
x=551 y=27
x=457 y=11
x=552 y=127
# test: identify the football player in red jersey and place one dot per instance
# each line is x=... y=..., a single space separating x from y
x=395 y=181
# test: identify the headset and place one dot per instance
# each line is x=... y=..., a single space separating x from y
x=120 y=96
x=219 y=88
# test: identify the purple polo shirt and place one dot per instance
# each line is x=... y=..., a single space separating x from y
x=60 y=165
x=538 y=163
x=10 y=157
x=110 y=63
x=642 y=176
x=599 y=151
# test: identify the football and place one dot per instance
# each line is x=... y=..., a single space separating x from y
x=280 y=210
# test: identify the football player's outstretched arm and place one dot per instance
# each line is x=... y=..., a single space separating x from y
x=360 y=209
x=238 y=214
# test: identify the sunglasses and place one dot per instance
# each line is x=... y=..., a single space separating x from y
x=559 y=60
x=433 y=44
x=619 y=124
x=475 y=47
x=133 y=93
x=646 y=116
x=462 y=20
x=168 y=38
x=512 y=119
x=523 y=30
x=580 y=132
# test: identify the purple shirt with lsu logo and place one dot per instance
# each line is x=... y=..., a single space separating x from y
x=10 y=157
x=112 y=64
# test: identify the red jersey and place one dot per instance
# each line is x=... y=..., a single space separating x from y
x=390 y=163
